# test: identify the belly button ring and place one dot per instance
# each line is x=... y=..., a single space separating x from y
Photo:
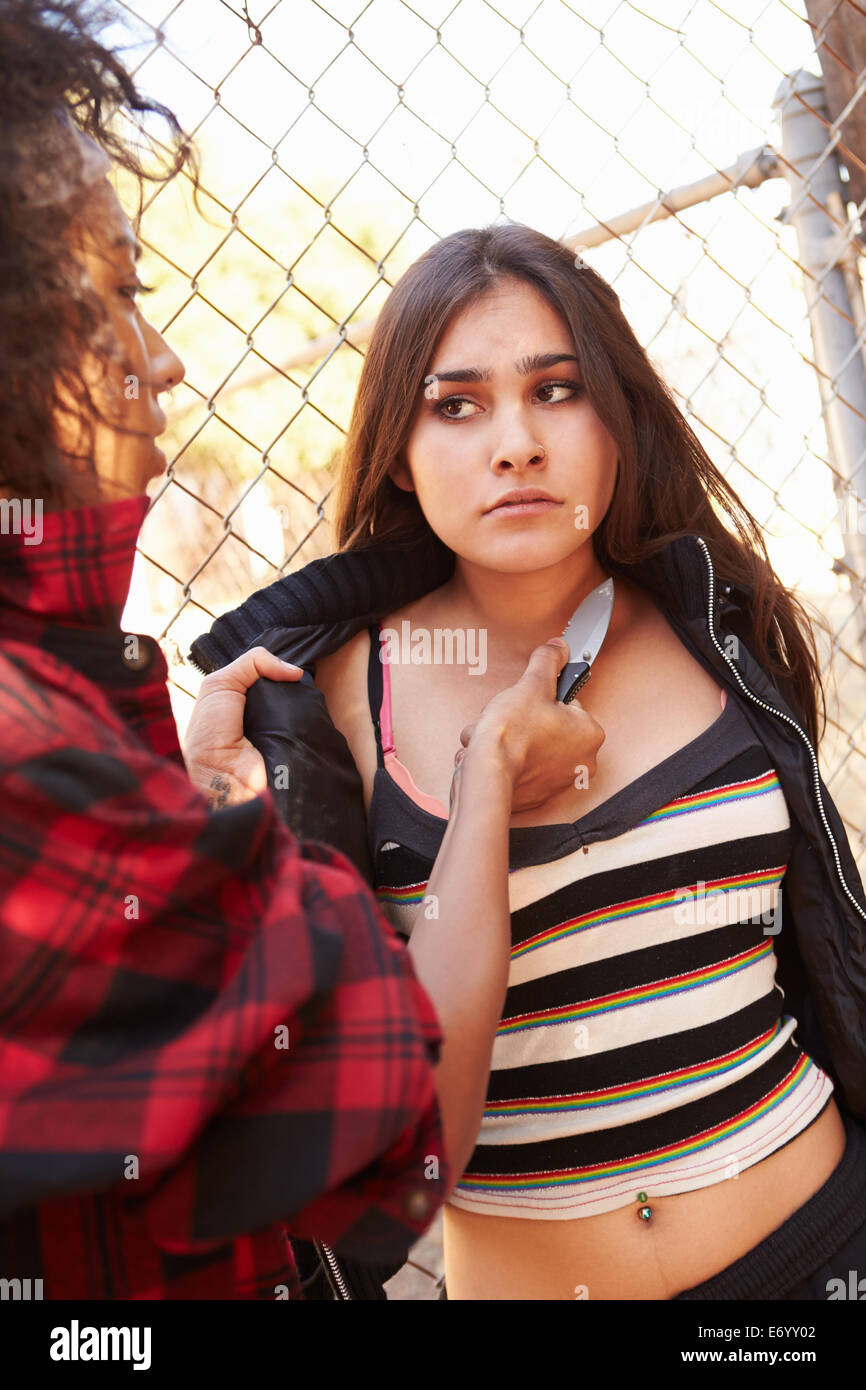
x=644 y=1213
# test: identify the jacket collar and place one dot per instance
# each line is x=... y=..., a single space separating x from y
x=71 y=567
x=328 y=600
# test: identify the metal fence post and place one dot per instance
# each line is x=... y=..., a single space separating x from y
x=817 y=207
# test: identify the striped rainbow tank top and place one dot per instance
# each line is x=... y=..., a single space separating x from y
x=643 y=1044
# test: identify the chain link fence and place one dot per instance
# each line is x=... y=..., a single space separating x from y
x=339 y=140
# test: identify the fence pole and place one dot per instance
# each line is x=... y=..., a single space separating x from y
x=817 y=202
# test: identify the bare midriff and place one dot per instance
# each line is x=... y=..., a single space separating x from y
x=690 y=1236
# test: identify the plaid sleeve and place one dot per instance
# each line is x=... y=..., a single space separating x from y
x=200 y=1012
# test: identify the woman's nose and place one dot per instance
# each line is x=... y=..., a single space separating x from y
x=166 y=368
x=517 y=444
x=517 y=450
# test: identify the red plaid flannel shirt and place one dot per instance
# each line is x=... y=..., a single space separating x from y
x=210 y=1037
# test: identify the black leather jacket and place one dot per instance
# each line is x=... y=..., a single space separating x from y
x=821 y=946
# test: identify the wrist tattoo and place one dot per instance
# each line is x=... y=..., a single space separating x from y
x=218 y=792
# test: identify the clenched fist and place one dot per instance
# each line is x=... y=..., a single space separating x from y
x=220 y=761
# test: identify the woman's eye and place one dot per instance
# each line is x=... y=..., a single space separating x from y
x=571 y=386
x=450 y=407
x=441 y=407
x=132 y=291
x=549 y=392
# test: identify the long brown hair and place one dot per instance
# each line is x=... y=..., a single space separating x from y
x=667 y=485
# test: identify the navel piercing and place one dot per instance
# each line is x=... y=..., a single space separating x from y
x=644 y=1212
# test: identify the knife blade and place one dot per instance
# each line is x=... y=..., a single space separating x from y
x=584 y=634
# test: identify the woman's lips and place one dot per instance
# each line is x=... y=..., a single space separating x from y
x=523 y=508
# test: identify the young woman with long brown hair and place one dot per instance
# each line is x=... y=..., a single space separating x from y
x=655 y=1124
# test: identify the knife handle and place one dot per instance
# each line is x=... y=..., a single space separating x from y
x=572 y=677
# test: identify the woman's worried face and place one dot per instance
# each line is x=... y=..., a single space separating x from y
x=504 y=408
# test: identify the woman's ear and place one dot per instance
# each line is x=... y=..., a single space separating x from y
x=399 y=473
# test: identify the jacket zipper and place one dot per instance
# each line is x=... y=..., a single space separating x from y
x=816 y=776
x=335 y=1269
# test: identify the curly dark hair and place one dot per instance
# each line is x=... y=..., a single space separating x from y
x=56 y=78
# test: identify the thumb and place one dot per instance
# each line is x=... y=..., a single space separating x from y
x=547 y=661
x=245 y=670
x=269 y=664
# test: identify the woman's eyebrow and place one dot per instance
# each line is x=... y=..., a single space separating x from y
x=126 y=240
x=535 y=362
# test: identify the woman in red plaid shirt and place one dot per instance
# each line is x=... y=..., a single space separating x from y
x=210 y=1038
